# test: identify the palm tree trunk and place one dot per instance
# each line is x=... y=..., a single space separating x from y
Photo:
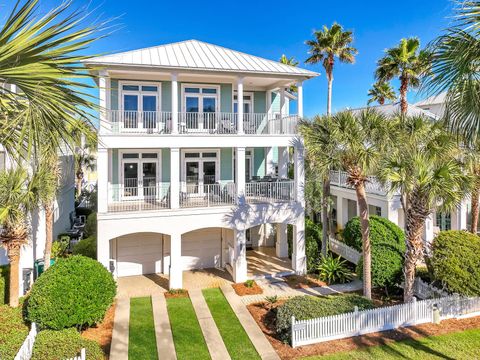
x=48 y=234
x=14 y=259
x=325 y=200
x=381 y=101
x=415 y=218
x=79 y=184
x=403 y=95
x=475 y=209
x=366 y=249
x=329 y=96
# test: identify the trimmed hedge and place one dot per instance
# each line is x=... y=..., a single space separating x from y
x=4 y=284
x=310 y=307
x=91 y=225
x=76 y=292
x=13 y=331
x=64 y=344
x=388 y=249
x=86 y=247
x=455 y=261
x=313 y=243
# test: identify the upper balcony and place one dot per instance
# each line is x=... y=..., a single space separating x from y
x=222 y=123
x=372 y=185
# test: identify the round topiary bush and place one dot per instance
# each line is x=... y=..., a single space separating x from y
x=455 y=261
x=388 y=249
x=75 y=292
x=310 y=307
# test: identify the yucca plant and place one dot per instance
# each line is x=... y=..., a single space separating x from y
x=333 y=270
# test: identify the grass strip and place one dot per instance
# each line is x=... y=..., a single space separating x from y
x=142 y=343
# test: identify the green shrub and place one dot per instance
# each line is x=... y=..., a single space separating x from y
x=77 y=291
x=91 y=225
x=310 y=307
x=59 y=247
x=388 y=249
x=249 y=283
x=4 y=284
x=456 y=261
x=64 y=344
x=333 y=270
x=86 y=247
x=313 y=243
x=13 y=331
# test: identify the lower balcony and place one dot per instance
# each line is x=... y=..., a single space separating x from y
x=197 y=195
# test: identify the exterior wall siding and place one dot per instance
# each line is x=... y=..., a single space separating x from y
x=165 y=165
x=226 y=164
x=260 y=102
x=259 y=162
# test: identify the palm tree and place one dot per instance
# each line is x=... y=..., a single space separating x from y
x=380 y=92
x=423 y=164
x=48 y=175
x=327 y=45
x=291 y=62
x=407 y=62
x=472 y=162
x=18 y=197
x=455 y=58
x=39 y=61
x=352 y=142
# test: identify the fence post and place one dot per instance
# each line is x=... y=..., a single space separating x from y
x=83 y=354
x=357 y=319
x=294 y=344
x=415 y=310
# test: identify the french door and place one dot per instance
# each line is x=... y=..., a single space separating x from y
x=199 y=174
x=139 y=179
x=200 y=107
x=139 y=106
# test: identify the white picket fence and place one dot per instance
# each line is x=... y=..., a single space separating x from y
x=356 y=323
x=423 y=290
x=82 y=356
x=344 y=250
x=25 y=352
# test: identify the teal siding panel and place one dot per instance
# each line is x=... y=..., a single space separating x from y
x=226 y=98
x=114 y=94
x=275 y=155
x=165 y=165
x=259 y=102
x=226 y=164
x=115 y=167
x=166 y=96
x=259 y=161
x=275 y=102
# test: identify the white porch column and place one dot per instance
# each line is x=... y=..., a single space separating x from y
x=299 y=261
x=461 y=216
x=240 y=257
x=393 y=207
x=269 y=102
x=269 y=165
x=176 y=269
x=240 y=173
x=281 y=244
x=300 y=99
x=299 y=173
x=174 y=178
x=428 y=230
x=240 y=105
x=282 y=102
x=174 y=103
x=104 y=103
x=340 y=210
x=103 y=245
x=283 y=162
x=102 y=180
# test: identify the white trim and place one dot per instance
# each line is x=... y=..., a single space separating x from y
x=251 y=101
x=201 y=95
x=183 y=162
x=158 y=93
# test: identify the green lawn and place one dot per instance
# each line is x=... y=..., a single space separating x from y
x=142 y=343
x=460 y=345
x=187 y=334
x=234 y=336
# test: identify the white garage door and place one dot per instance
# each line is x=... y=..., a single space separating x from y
x=139 y=254
x=201 y=249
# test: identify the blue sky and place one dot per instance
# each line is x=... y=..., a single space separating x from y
x=270 y=28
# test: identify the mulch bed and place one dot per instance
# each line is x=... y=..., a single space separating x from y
x=266 y=321
x=102 y=333
x=241 y=289
x=181 y=293
x=303 y=282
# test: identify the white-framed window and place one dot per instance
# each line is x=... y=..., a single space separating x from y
x=139 y=103
x=200 y=104
x=139 y=172
x=199 y=168
x=247 y=103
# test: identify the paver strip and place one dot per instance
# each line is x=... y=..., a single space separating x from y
x=258 y=339
x=119 y=347
x=215 y=344
x=163 y=331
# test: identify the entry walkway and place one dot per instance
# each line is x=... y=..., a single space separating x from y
x=262 y=262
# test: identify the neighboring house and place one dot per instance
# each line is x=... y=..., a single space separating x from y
x=192 y=162
x=388 y=205
x=63 y=208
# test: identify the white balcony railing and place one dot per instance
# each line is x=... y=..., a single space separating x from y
x=265 y=192
x=160 y=122
x=198 y=195
x=138 y=198
x=372 y=186
x=134 y=122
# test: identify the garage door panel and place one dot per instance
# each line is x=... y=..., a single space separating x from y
x=139 y=254
x=201 y=249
